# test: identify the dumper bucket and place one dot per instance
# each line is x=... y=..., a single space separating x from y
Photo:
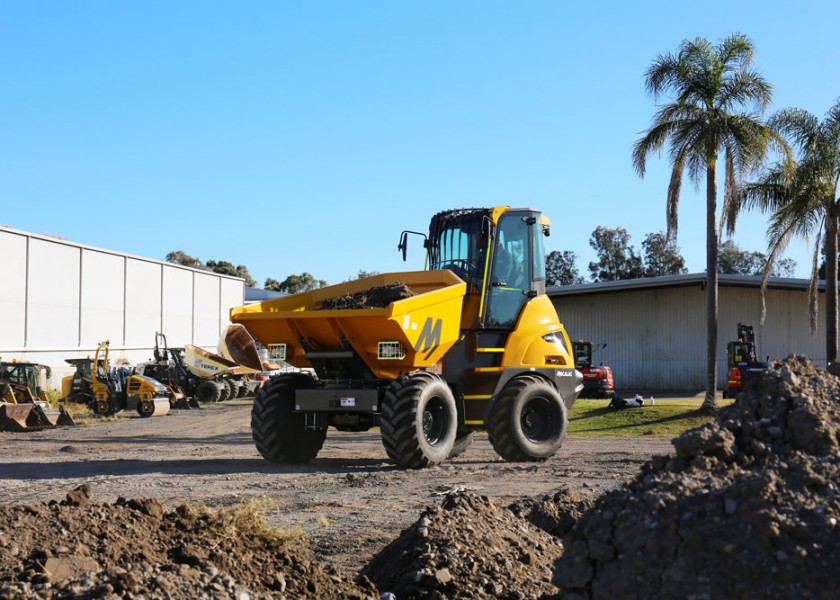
x=238 y=345
x=207 y=365
x=409 y=333
x=23 y=417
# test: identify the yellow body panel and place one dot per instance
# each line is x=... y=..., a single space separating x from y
x=526 y=346
x=426 y=324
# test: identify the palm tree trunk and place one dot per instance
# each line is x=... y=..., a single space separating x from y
x=831 y=333
x=710 y=401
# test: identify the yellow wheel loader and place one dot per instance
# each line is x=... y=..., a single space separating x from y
x=24 y=405
x=473 y=343
x=116 y=389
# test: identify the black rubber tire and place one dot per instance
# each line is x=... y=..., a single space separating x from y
x=419 y=420
x=462 y=441
x=278 y=432
x=208 y=391
x=232 y=387
x=528 y=420
x=243 y=388
x=225 y=390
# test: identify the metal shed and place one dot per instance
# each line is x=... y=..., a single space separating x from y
x=655 y=328
x=58 y=299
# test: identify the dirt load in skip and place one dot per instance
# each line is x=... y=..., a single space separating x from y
x=748 y=507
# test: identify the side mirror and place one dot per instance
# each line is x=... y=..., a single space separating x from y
x=403 y=245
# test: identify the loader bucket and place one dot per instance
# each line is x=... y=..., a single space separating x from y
x=64 y=419
x=23 y=417
x=180 y=401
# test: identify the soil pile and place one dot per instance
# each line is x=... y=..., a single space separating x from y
x=748 y=507
x=375 y=297
x=134 y=549
x=555 y=514
x=466 y=548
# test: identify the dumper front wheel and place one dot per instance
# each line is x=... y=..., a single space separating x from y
x=419 y=420
x=279 y=433
x=462 y=441
x=528 y=420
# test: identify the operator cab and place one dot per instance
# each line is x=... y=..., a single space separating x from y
x=498 y=252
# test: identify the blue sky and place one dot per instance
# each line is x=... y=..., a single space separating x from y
x=304 y=136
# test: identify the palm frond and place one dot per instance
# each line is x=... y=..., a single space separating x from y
x=813 y=286
x=673 y=200
x=729 y=212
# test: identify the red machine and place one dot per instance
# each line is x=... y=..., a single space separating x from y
x=598 y=380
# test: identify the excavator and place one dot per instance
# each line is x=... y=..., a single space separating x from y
x=116 y=389
x=742 y=361
x=431 y=357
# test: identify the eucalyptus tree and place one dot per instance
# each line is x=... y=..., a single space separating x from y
x=716 y=103
x=804 y=202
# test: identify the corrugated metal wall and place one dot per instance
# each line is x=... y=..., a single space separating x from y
x=59 y=300
x=656 y=338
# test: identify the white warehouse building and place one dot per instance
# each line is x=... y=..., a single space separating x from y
x=59 y=299
x=655 y=328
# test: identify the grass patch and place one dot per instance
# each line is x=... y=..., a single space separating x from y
x=668 y=418
x=245 y=519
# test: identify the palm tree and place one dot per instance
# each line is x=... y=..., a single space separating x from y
x=717 y=107
x=804 y=203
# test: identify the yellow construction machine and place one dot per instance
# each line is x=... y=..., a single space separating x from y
x=116 y=389
x=24 y=405
x=471 y=343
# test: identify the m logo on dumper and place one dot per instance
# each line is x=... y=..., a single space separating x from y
x=429 y=339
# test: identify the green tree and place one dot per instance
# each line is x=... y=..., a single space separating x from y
x=295 y=283
x=717 y=105
x=616 y=258
x=732 y=259
x=662 y=256
x=226 y=268
x=804 y=202
x=362 y=274
x=179 y=257
x=560 y=268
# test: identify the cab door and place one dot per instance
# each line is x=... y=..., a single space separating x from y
x=517 y=270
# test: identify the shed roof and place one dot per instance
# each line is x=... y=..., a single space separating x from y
x=686 y=280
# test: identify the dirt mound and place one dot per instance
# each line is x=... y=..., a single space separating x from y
x=747 y=508
x=555 y=514
x=133 y=548
x=466 y=548
x=375 y=297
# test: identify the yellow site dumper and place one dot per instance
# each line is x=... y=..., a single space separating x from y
x=428 y=356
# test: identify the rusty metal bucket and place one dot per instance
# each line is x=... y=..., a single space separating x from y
x=180 y=401
x=23 y=417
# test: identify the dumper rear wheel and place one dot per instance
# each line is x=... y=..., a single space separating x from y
x=279 y=432
x=419 y=420
x=528 y=420
x=208 y=391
